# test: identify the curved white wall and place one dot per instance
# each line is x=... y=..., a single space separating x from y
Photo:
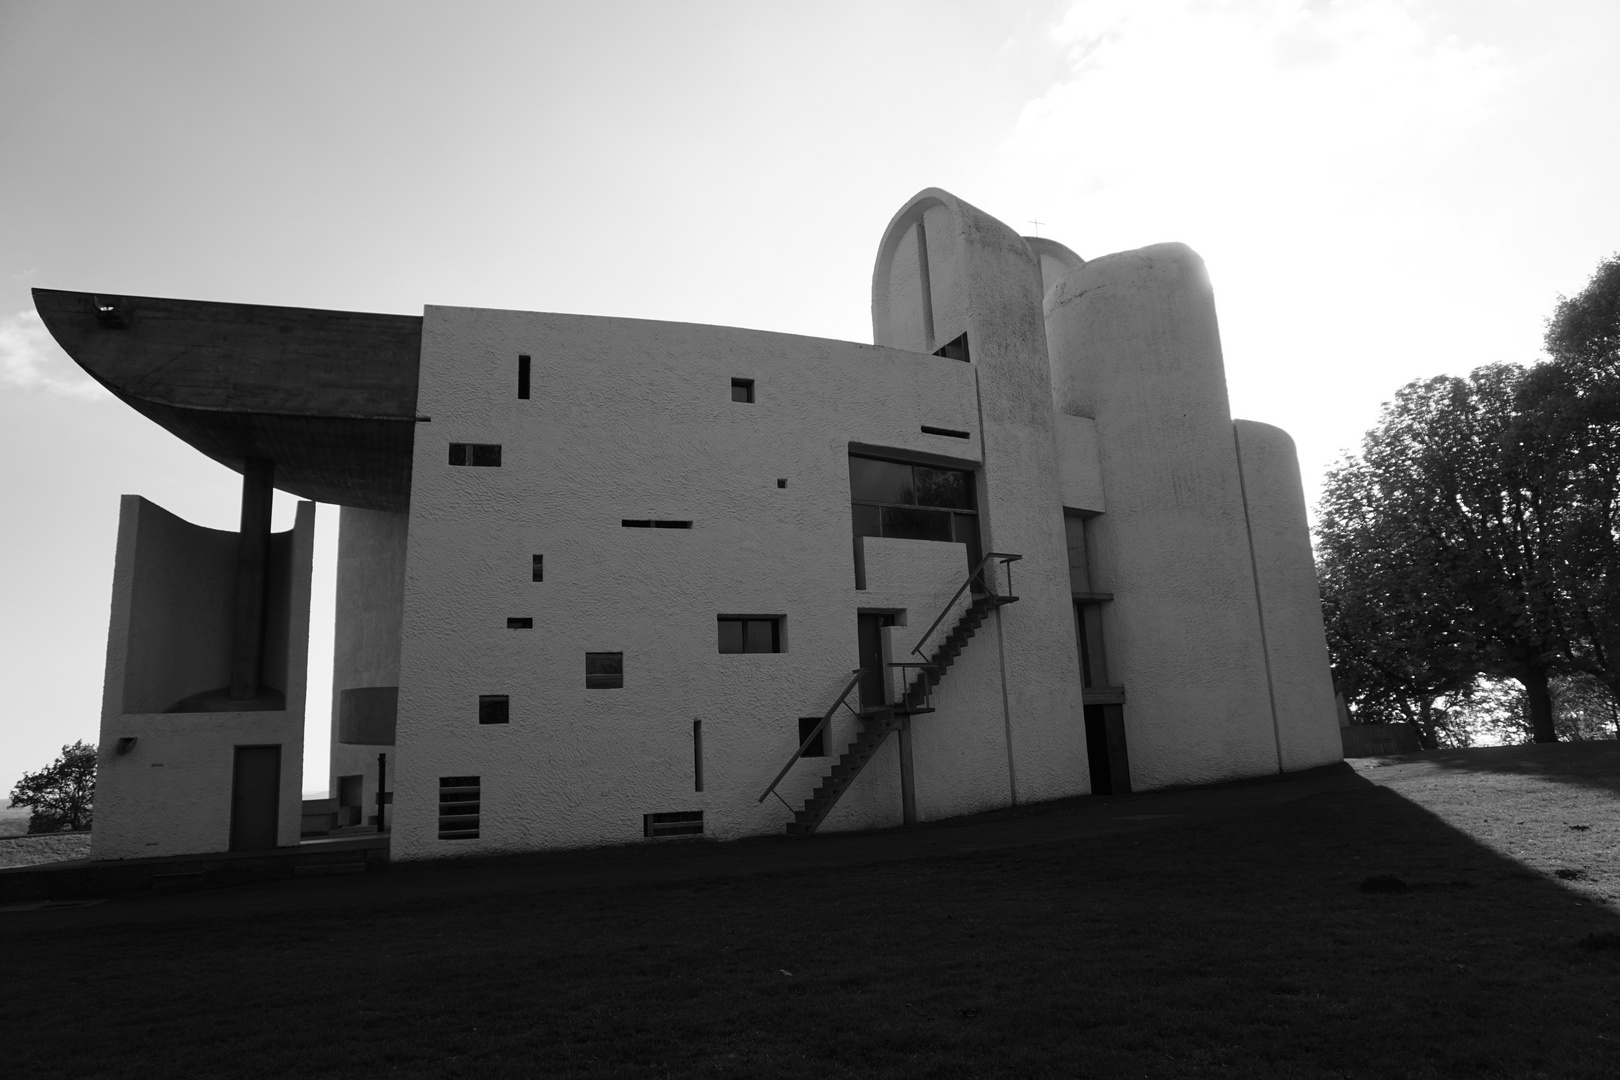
x=1296 y=643
x=1134 y=345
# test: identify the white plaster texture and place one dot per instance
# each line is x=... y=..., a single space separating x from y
x=984 y=281
x=1285 y=574
x=173 y=584
x=1134 y=345
x=369 y=607
x=634 y=420
x=1079 y=464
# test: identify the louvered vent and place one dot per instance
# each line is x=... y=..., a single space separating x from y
x=679 y=823
x=458 y=807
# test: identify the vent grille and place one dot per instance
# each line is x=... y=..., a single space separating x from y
x=458 y=807
x=678 y=823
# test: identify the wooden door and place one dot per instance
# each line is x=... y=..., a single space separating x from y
x=255 y=798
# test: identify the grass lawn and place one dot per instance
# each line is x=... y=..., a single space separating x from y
x=1232 y=937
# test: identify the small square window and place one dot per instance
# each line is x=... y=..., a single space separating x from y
x=604 y=670
x=494 y=709
x=742 y=390
x=750 y=633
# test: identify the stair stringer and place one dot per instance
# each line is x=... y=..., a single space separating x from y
x=872 y=738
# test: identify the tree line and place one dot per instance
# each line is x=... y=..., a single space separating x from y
x=1476 y=539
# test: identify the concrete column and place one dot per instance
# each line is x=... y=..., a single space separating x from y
x=247 y=637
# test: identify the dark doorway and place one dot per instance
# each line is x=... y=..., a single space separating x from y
x=349 y=805
x=255 y=798
x=874 y=681
x=1105 y=750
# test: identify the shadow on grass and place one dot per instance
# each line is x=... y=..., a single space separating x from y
x=1241 y=945
x=1593 y=764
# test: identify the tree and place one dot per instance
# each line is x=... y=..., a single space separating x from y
x=62 y=795
x=1570 y=407
x=1436 y=551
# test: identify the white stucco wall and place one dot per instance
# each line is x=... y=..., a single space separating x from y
x=369 y=607
x=1134 y=345
x=986 y=282
x=171 y=793
x=633 y=419
x=1296 y=643
x=1079 y=464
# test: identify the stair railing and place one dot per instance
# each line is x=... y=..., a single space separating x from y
x=805 y=745
x=1005 y=559
x=926 y=684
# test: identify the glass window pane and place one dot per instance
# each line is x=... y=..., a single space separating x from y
x=731 y=635
x=911 y=523
x=760 y=635
x=865 y=520
x=871 y=480
x=944 y=487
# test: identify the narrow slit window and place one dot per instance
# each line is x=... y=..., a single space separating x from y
x=484 y=455
x=697 y=754
x=654 y=523
x=459 y=798
x=742 y=390
x=539 y=568
x=950 y=433
x=604 y=670
x=523 y=377
x=520 y=624
x=494 y=709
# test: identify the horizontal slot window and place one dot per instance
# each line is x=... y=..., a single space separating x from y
x=484 y=455
x=520 y=624
x=948 y=432
x=654 y=523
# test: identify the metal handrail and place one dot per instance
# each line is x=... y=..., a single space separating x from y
x=928 y=689
x=771 y=789
x=1007 y=559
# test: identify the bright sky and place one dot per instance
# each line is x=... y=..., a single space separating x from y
x=1382 y=190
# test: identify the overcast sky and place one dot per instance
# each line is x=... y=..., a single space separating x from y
x=1382 y=191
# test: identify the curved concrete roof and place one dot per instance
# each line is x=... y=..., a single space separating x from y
x=328 y=396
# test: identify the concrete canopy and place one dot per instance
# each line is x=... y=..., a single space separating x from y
x=328 y=396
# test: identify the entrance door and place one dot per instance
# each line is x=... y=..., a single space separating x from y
x=1105 y=750
x=874 y=676
x=255 y=797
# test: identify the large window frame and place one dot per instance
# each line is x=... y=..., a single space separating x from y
x=913 y=501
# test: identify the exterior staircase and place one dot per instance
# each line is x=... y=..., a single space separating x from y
x=877 y=723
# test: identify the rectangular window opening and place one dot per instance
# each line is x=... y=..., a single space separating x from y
x=458 y=807
x=484 y=455
x=817 y=748
x=604 y=670
x=653 y=523
x=494 y=709
x=539 y=568
x=750 y=633
x=520 y=624
x=742 y=390
x=955 y=349
x=950 y=433
x=679 y=823
x=523 y=377
x=697 y=754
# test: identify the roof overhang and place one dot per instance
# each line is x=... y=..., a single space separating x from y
x=328 y=396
